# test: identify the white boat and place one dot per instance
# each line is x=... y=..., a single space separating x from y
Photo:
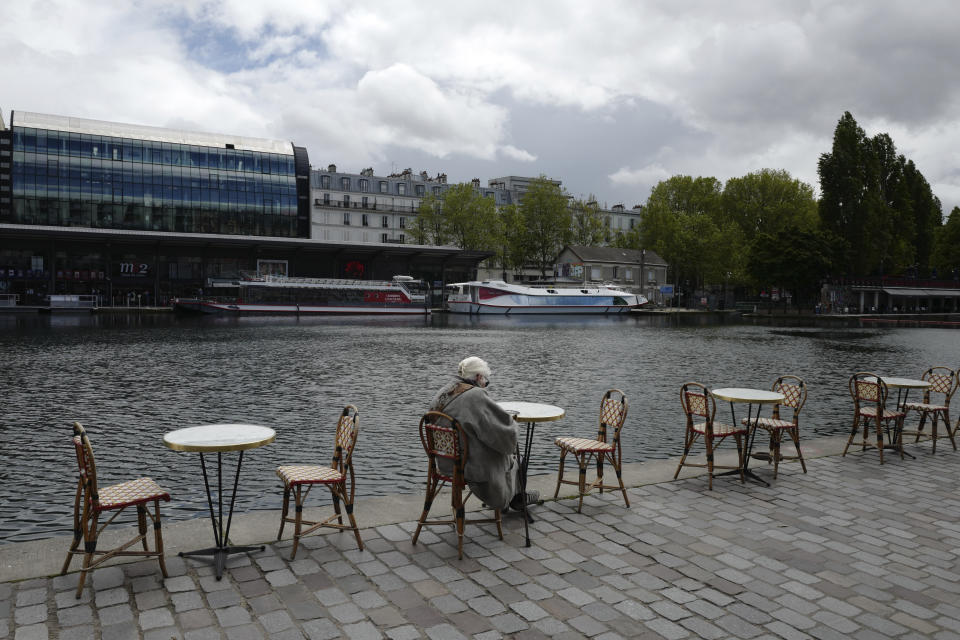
x=281 y=294
x=497 y=296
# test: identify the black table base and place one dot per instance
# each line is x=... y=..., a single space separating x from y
x=221 y=536
x=524 y=462
x=751 y=436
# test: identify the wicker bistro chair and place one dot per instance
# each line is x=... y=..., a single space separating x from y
x=443 y=439
x=869 y=393
x=613 y=412
x=92 y=500
x=943 y=381
x=794 y=391
x=700 y=409
x=338 y=477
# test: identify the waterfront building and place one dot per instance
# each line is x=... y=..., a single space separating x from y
x=363 y=207
x=130 y=213
x=638 y=270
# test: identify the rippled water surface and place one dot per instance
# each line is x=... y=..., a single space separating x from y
x=129 y=380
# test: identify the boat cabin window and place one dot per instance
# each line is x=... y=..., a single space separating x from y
x=551 y=290
x=584 y=291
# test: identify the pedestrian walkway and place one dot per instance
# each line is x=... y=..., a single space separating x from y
x=852 y=549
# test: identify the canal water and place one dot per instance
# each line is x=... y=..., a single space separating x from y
x=130 y=379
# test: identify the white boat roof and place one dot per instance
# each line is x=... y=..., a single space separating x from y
x=522 y=288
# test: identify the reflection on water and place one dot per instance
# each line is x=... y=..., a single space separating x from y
x=130 y=379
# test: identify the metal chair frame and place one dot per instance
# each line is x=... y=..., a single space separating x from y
x=87 y=508
x=696 y=401
x=442 y=438
x=342 y=485
x=613 y=413
x=870 y=394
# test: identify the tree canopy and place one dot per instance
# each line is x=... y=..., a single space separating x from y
x=547 y=220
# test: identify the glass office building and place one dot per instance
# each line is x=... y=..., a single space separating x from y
x=87 y=173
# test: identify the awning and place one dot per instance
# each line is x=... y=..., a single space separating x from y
x=924 y=293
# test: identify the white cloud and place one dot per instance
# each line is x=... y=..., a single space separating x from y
x=747 y=85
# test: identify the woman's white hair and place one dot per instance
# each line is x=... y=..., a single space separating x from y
x=473 y=366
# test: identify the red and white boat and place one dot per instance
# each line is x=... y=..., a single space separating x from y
x=496 y=296
x=281 y=294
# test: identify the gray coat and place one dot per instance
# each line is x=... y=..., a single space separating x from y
x=492 y=468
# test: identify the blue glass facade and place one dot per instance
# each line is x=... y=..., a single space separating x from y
x=62 y=178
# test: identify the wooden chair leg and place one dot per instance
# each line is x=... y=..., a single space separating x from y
x=600 y=472
x=923 y=419
x=563 y=455
x=795 y=436
x=617 y=467
x=688 y=442
x=431 y=491
x=459 y=516
x=709 y=442
x=498 y=516
x=946 y=427
x=853 y=434
x=879 y=424
x=582 y=479
x=353 y=523
x=741 y=453
x=285 y=510
x=775 y=437
x=933 y=429
x=298 y=518
x=158 y=538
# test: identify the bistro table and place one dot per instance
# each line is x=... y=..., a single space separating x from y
x=531 y=413
x=903 y=386
x=219 y=438
x=748 y=397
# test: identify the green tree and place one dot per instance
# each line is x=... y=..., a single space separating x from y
x=470 y=220
x=586 y=224
x=767 y=201
x=844 y=185
x=877 y=203
x=946 y=252
x=547 y=219
x=513 y=250
x=429 y=227
x=794 y=259
x=682 y=222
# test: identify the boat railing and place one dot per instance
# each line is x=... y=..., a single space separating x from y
x=9 y=299
x=60 y=301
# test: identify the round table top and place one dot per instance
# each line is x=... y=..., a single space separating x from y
x=219 y=437
x=533 y=411
x=753 y=396
x=905 y=383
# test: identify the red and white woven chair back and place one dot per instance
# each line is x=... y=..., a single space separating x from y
x=697 y=402
x=943 y=380
x=868 y=388
x=88 y=467
x=441 y=438
x=613 y=413
x=348 y=428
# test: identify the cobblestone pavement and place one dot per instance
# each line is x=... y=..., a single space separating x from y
x=850 y=550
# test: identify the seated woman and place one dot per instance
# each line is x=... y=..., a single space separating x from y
x=492 y=471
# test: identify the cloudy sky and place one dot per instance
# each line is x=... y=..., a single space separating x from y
x=610 y=97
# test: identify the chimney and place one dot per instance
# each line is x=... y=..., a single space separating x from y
x=332 y=168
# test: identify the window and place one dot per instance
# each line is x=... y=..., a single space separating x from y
x=383 y=186
x=436 y=191
x=403 y=222
x=402 y=238
x=364 y=221
x=628 y=274
x=346 y=200
x=616 y=270
x=326 y=199
x=346 y=217
x=383 y=238
x=631 y=222
x=364 y=185
x=324 y=182
x=385 y=222
x=401 y=188
x=345 y=184
x=365 y=202
x=421 y=190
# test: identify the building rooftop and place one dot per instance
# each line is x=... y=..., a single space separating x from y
x=142 y=132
